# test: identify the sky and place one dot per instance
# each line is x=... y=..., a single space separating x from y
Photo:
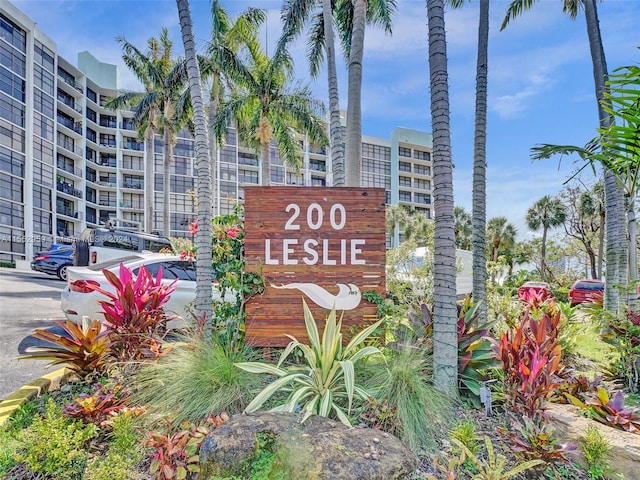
x=540 y=80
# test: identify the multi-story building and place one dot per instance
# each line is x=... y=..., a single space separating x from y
x=67 y=162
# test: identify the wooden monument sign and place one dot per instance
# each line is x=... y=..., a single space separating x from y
x=323 y=245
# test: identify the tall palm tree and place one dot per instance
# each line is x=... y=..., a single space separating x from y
x=445 y=336
x=227 y=37
x=148 y=69
x=351 y=17
x=546 y=213
x=396 y=219
x=501 y=236
x=319 y=13
x=616 y=252
x=266 y=107
x=462 y=228
x=203 y=236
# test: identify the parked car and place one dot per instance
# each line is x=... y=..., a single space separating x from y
x=79 y=300
x=54 y=262
x=528 y=290
x=98 y=244
x=586 y=291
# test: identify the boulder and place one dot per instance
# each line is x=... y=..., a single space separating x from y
x=624 y=455
x=318 y=449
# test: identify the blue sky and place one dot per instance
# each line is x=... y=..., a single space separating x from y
x=540 y=83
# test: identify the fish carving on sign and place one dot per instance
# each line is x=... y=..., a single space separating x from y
x=347 y=298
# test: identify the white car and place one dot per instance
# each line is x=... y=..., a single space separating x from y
x=78 y=300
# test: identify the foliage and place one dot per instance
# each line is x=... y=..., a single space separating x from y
x=54 y=445
x=105 y=401
x=610 y=409
x=536 y=438
x=476 y=349
x=327 y=380
x=406 y=383
x=465 y=432
x=494 y=467
x=409 y=279
x=624 y=335
x=595 y=449
x=83 y=351
x=133 y=314
x=531 y=356
x=174 y=454
x=263 y=466
x=382 y=416
x=203 y=379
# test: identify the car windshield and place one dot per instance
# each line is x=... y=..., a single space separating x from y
x=589 y=286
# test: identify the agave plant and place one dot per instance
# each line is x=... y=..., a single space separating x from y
x=327 y=382
x=83 y=351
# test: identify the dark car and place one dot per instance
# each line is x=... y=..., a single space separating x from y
x=586 y=291
x=54 y=262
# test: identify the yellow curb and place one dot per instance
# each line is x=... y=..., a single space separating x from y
x=25 y=393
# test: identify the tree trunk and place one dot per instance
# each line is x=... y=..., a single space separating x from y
x=149 y=179
x=601 y=245
x=335 y=127
x=543 y=254
x=214 y=104
x=265 y=164
x=203 y=305
x=479 y=194
x=166 y=182
x=353 y=153
x=633 y=254
x=616 y=244
x=445 y=334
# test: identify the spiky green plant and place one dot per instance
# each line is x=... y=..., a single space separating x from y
x=196 y=379
x=326 y=383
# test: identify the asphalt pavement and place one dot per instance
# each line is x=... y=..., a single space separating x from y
x=28 y=300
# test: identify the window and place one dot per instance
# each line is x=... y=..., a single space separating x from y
x=132 y=163
x=41 y=197
x=130 y=200
x=66 y=142
x=92 y=135
x=120 y=241
x=180 y=184
x=319 y=165
x=90 y=155
x=108 y=121
x=424 y=198
x=277 y=174
x=91 y=95
x=404 y=152
x=11 y=136
x=43 y=150
x=404 y=166
x=43 y=79
x=12 y=59
x=12 y=110
x=13 y=34
x=11 y=84
x=12 y=214
x=43 y=126
x=421 y=155
x=422 y=184
x=91 y=115
x=42 y=221
x=318 y=181
x=228 y=172
x=91 y=175
x=404 y=196
x=11 y=188
x=404 y=181
x=422 y=170
x=247 y=159
x=172 y=270
x=376 y=151
x=43 y=56
x=43 y=102
x=11 y=162
x=228 y=190
x=295 y=178
x=246 y=176
x=107 y=140
x=132 y=181
x=66 y=76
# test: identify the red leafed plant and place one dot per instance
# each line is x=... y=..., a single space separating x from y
x=104 y=402
x=175 y=454
x=133 y=314
x=83 y=351
x=610 y=409
x=530 y=356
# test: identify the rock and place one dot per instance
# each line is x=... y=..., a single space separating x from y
x=624 y=455
x=319 y=449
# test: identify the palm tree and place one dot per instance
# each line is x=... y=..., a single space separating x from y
x=462 y=228
x=203 y=236
x=226 y=39
x=266 y=107
x=501 y=236
x=546 y=213
x=351 y=17
x=295 y=15
x=614 y=197
x=445 y=336
x=149 y=69
x=396 y=218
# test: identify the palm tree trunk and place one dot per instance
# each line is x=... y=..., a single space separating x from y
x=149 y=179
x=265 y=164
x=214 y=104
x=335 y=127
x=633 y=255
x=543 y=254
x=445 y=335
x=166 y=182
x=479 y=194
x=601 y=245
x=353 y=148
x=616 y=252
x=203 y=165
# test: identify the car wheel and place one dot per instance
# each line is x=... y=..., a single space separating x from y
x=62 y=273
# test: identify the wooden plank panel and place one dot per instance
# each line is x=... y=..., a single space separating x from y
x=306 y=242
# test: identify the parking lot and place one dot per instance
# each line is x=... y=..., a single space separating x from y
x=28 y=300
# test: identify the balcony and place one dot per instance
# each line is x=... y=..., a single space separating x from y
x=67 y=188
x=134 y=146
x=72 y=83
x=74 y=126
x=69 y=212
x=73 y=171
x=107 y=203
x=127 y=126
x=133 y=185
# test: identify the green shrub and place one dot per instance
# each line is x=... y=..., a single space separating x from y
x=6 y=264
x=55 y=445
x=595 y=448
x=8 y=446
x=115 y=466
x=465 y=432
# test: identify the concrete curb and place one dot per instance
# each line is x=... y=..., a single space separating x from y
x=46 y=383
